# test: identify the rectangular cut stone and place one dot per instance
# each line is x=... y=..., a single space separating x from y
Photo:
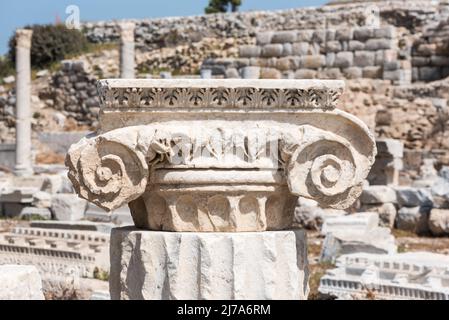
x=376 y=240
x=284 y=36
x=250 y=51
x=377 y=195
x=358 y=222
x=264 y=37
x=152 y=265
x=272 y=50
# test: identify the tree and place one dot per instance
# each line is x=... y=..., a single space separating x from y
x=217 y=6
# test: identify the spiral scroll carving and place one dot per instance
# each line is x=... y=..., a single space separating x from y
x=326 y=169
x=106 y=172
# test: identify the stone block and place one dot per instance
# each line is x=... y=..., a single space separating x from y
x=330 y=34
x=304 y=36
x=414 y=219
x=68 y=207
x=385 y=32
x=413 y=197
x=364 y=58
x=379 y=44
x=331 y=73
x=287 y=49
x=392 y=65
x=420 y=61
x=319 y=36
x=429 y=73
x=270 y=73
x=12 y=209
x=18 y=194
x=373 y=72
x=355 y=45
x=272 y=50
x=353 y=73
x=285 y=64
x=383 y=56
x=427 y=49
x=232 y=73
x=363 y=34
x=387 y=213
x=284 y=36
x=249 y=51
x=357 y=222
x=378 y=195
x=41 y=199
x=377 y=241
x=19 y=282
x=250 y=72
x=152 y=265
x=264 y=37
x=313 y=62
x=344 y=59
x=439 y=222
x=300 y=48
x=344 y=34
x=330 y=59
x=306 y=74
x=333 y=46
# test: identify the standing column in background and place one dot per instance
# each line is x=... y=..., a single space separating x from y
x=127 y=58
x=23 y=103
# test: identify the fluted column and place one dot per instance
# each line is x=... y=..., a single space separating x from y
x=23 y=103
x=127 y=58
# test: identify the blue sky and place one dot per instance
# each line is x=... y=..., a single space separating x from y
x=17 y=13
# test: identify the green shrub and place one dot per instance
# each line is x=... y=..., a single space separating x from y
x=52 y=43
x=6 y=67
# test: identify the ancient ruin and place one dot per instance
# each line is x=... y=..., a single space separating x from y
x=218 y=156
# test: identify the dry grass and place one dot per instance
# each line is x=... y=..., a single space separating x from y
x=49 y=157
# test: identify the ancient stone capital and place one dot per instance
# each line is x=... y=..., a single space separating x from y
x=221 y=155
x=127 y=31
x=23 y=38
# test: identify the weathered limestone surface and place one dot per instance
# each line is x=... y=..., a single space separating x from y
x=211 y=155
x=68 y=207
x=165 y=265
x=439 y=222
x=376 y=240
x=20 y=283
x=359 y=222
x=213 y=160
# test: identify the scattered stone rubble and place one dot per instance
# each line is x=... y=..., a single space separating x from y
x=402 y=276
x=355 y=233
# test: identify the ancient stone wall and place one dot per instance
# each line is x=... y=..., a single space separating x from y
x=166 y=32
x=348 y=53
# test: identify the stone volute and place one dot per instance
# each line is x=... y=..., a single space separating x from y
x=221 y=155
